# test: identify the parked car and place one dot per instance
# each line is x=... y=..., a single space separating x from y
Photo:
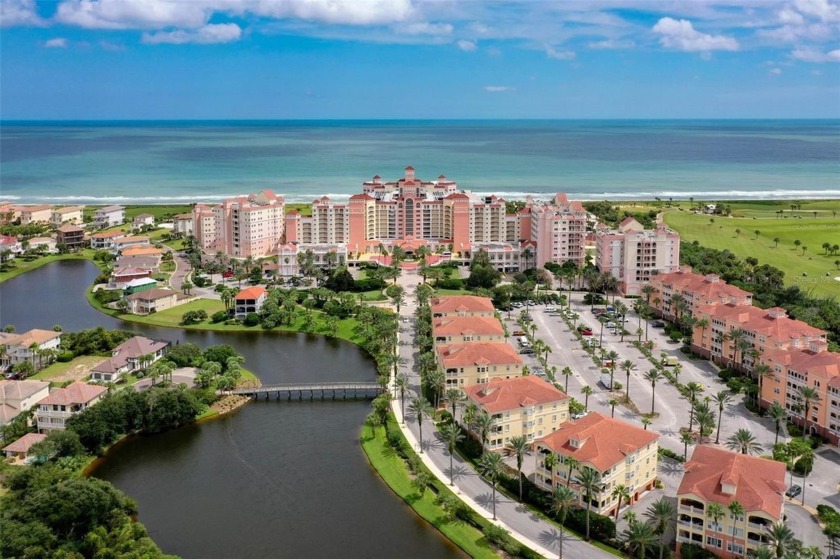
x=586 y=332
x=657 y=324
x=793 y=491
x=527 y=351
x=580 y=415
x=611 y=325
x=550 y=309
x=593 y=342
x=518 y=333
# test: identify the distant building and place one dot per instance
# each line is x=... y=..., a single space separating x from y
x=558 y=228
x=153 y=300
x=29 y=346
x=696 y=290
x=476 y=363
x=240 y=227
x=142 y=220
x=19 y=396
x=72 y=236
x=69 y=214
x=144 y=250
x=249 y=300
x=132 y=355
x=109 y=216
x=63 y=403
x=182 y=225
x=461 y=305
x=10 y=247
x=522 y=406
x=621 y=453
x=45 y=244
x=123 y=277
x=139 y=284
x=633 y=254
x=717 y=476
x=105 y=240
x=35 y=214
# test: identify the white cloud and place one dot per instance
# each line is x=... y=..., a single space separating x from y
x=612 y=44
x=498 y=88
x=821 y=9
x=19 y=12
x=466 y=46
x=56 y=43
x=681 y=35
x=808 y=54
x=212 y=33
x=775 y=72
x=347 y=12
x=424 y=28
x=559 y=55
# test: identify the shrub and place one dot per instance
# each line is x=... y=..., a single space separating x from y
x=395 y=440
x=495 y=535
x=65 y=357
x=194 y=317
x=671 y=454
x=251 y=319
x=601 y=527
x=218 y=317
x=694 y=551
x=451 y=283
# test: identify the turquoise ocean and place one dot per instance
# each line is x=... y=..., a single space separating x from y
x=185 y=161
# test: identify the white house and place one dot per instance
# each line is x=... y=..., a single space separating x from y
x=249 y=300
x=109 y=216
x=142 y=220
x=30 y=346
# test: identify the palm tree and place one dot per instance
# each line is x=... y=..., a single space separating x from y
x=613 y=403
x=778 y=414
x=589 y=480
x=484 y=423
x=661 y=514
x=402 y=384
x=743 y=441
x=571 y=465
x=628 y=366
x=715 y=511
x=735 y=335
x=776 y=241
x=436 y=382
x=622 y=493
x=686 y=438
x=721 y=399
x=761 y=371
x=702 y=323
x=612 y=356
x=809 y=396
x=736 y=509
x=639 y=536
x=454 y=397
x=421 y=407
x=763 y=552
x=781 y=539
x=562 y=501
x=491 y=465
x=586 y=391
x=646 y=422
x=653 y=377
x=806 y=460
x=518 y=446
x=452 y=435
x=693 y=389
x=567 y=372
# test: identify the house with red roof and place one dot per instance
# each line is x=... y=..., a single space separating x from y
x=621 y=453
x=714 y=475
x=466 y=329
x=478 y=362
x=695 y=289
x=461 y=305
x=249 y=300
x=522 y=406
x=63 y=403
x=20 y=448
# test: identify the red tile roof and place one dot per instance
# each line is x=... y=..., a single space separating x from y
x=34 y=336
x=598 y=440
x=500 y=395
x=251 y=293
x=461 y=303
x=758 y=482
x=471 y=354
x=825 y=364
x=461 y=325
x=24 y=443
x=108 y=234
x=772 y=322
x=711 y=287
x=152 y=294
x=76 y=393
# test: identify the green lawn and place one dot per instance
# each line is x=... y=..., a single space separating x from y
x=304 y=209
x=453 y=292
x=394 y=473
x=58 y=369
x=22 y=266
x=372 y=295
x=821 y=268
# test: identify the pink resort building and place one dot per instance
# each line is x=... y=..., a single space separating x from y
x=240 y=227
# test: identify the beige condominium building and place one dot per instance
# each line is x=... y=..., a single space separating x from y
x=465 y=329
x=461 y=305
x=477 y=362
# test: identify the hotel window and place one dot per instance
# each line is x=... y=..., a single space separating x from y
x=714 y=542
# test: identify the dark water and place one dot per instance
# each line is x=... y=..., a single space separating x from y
x=274 y=479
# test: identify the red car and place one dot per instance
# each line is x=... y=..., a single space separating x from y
x=586 y=332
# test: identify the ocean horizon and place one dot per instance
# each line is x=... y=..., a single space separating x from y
x=182 y=161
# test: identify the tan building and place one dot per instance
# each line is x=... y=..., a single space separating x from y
x=153 y=300
x=182 y=225
x=240 y=227
x=522 y=406
x=35 y=214
x=18 y=396
x=20 y=448
x=68 y=214
x=762 y=329
x=465 y=329
x=558 y=229
x=621 y=453
x=797 y=368
x=63 y=403
x=632 y=253
x=474 y=363
x=718 y=476
x=461 y=305
x=697 y=290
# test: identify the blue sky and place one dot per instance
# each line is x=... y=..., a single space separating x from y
x=237 y=59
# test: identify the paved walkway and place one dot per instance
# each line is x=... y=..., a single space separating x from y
x=524 y=525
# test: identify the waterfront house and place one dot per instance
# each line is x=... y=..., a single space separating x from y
x=9 y=247
x=122 y=276
x=714 y=475
x=249 y=300
x=182 y=225
x=465 y=329
x=68 y=214
x=621 y=453
x=105 y=240
x=19 y=396
x=19 y=450
x=478 y=362
x=63 y=403
x=34 y=346
x=44 y=244
x=71 y=236
x=461 y=305
x=35 y=214
x=142 y=220
x=132 y=355
x=153 y=300
x=523 y=406
x=109 y=216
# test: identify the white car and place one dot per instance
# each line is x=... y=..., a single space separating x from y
x=610 y=325
x=580 y=415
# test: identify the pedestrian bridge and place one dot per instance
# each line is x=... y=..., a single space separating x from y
x=320 y=390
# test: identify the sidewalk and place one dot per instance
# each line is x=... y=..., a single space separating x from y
x=524 y=525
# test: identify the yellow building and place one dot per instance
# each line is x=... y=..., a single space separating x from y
x=466 y=329
x=722 y=477
x=523 y=406
x=621 y=453
x=474 y=363
x=461 y=305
